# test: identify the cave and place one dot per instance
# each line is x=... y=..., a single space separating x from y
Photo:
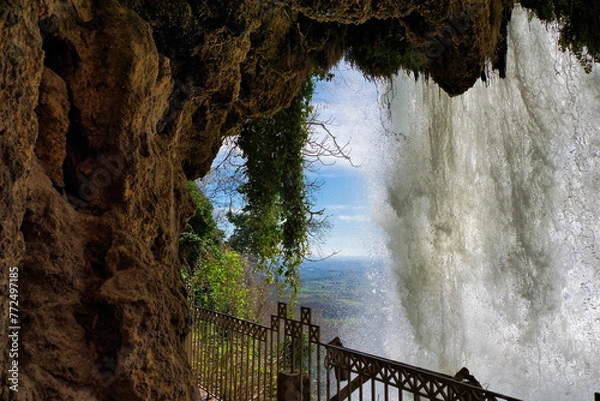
x=98 y=140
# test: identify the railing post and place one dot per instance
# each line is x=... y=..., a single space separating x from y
x=597 y=397
x=293 y=386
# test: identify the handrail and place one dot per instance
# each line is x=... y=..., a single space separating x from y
x=239 y=360
x=378 y=368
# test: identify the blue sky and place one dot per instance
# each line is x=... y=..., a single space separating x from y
x=350 y=105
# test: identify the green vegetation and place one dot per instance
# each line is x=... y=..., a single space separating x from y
x=379 y=48
x=271 y=232
x=579 y=25
x=215 y=273
x=273 y=227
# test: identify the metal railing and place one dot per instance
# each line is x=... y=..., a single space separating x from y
x=237 y=360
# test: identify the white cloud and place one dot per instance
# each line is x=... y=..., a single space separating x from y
x=344 y=207
x=349 y=104
x=355 y=218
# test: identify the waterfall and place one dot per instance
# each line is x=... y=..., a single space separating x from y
x=493 y=222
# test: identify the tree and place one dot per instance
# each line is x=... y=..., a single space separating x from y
x=260 y=177
x=213 y=271
x=274 y=225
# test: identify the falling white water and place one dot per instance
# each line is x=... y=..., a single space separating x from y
x=493 y=219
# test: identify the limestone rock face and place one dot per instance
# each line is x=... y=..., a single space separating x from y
x=106 y=109
x=92 y=205
x=53 y=118
x=455 y=37
x=20 y=75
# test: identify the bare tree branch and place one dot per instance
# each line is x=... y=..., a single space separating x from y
x=317 y=149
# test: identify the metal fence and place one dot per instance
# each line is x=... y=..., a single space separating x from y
x=237 y=360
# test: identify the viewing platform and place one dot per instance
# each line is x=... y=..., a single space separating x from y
x=238 y=360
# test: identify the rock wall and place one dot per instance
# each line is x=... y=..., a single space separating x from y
x=106 y=109
x=95 y=204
